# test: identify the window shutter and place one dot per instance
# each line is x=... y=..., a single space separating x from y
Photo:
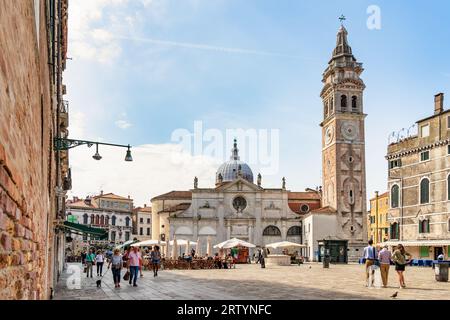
x=420 y=227
x=424 y=251
x=428 y=226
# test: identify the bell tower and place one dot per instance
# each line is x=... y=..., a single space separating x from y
x=343 y=145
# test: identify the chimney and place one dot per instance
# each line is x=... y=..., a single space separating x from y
x=101 y=192
x=438 y=103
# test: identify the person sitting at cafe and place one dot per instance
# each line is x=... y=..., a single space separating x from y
x=217 y=261
x=230 y=261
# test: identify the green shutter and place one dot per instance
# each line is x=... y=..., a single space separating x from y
x=420 y=227
x=424 y=251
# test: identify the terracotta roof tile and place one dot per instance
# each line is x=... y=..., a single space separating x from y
x=306 y=195
x=174 y=195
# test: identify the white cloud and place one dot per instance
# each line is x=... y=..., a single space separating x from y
x=152 y=172
x=92 y=22
x=123 y=124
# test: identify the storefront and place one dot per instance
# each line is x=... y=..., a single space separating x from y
x=423 y=249
x=336 y=249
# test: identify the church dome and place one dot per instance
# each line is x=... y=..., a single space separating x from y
x=234 y=168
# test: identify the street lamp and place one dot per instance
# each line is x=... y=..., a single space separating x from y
x=66 y=144
x=97 y=156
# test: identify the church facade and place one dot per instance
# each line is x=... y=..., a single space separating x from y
x=329 y=220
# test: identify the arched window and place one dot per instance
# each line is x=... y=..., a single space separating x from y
x=394 y=230
x=425 y=191
x=271 y=231
x=85 y=218
x=325 y=109
x=331 y=105
x=343 y=103
x=294 y=231
x=102 y=220
x=113 y=220
x=97 y=219
x=351 y=198
x=127 y=221
x=424 y=226
x=107 y=220
x=92 y=219
x=395 y=196
x=354 y=103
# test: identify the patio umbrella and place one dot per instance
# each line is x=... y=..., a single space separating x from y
x=174 y=248
x=285 y=244
x=199 y=250
x=147 y=243
x=209 y=247
x=234 y=243
x=126 y=243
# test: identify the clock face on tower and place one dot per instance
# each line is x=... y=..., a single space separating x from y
x=329 y=133
x=349 y=130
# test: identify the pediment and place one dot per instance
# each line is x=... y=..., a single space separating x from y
x=239 y=184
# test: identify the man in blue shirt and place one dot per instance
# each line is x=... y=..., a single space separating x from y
x=370 y=256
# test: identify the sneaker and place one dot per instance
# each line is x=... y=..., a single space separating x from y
x=118 y=285
x=135 y=285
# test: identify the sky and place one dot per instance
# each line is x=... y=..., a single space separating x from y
x=148 y=72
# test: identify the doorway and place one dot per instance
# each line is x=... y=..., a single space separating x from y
x=438 y=251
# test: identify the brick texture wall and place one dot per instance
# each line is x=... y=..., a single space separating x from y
x=27 y=162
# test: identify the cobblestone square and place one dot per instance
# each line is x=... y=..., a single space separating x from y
x=308 y=281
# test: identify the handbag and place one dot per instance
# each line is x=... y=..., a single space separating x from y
x=126 y=276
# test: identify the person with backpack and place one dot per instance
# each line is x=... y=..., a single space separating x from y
x=156 y=260
x=116 y=264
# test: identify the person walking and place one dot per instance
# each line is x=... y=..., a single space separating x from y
x=134 y=260
x=155 y=255
x=116 y=264
x=371 y=257
x=99 y=260
x=83 y=257
x=264 y=255
x=401 y=259
x=385 y=257
x=90 y=260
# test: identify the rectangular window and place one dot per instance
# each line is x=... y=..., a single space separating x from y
x=424 y=156
x=113 y=236
x=448 y=122
x=424 y=251
x=141 y=220
x=148 y=221
x=127 y=236
x=141 y=231
x=448 y=149
x=425 y=131
x=148 y=231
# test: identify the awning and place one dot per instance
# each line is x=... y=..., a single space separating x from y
x=96 y=232
x=418 y=243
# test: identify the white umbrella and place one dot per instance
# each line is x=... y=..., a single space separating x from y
x=147 y=243
x=199 y=250
x=182 y=242
x=234 y=243
x=285 y=244
x=209 y=247
x=174 y=247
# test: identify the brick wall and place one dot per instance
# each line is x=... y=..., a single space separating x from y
x=27 y=162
